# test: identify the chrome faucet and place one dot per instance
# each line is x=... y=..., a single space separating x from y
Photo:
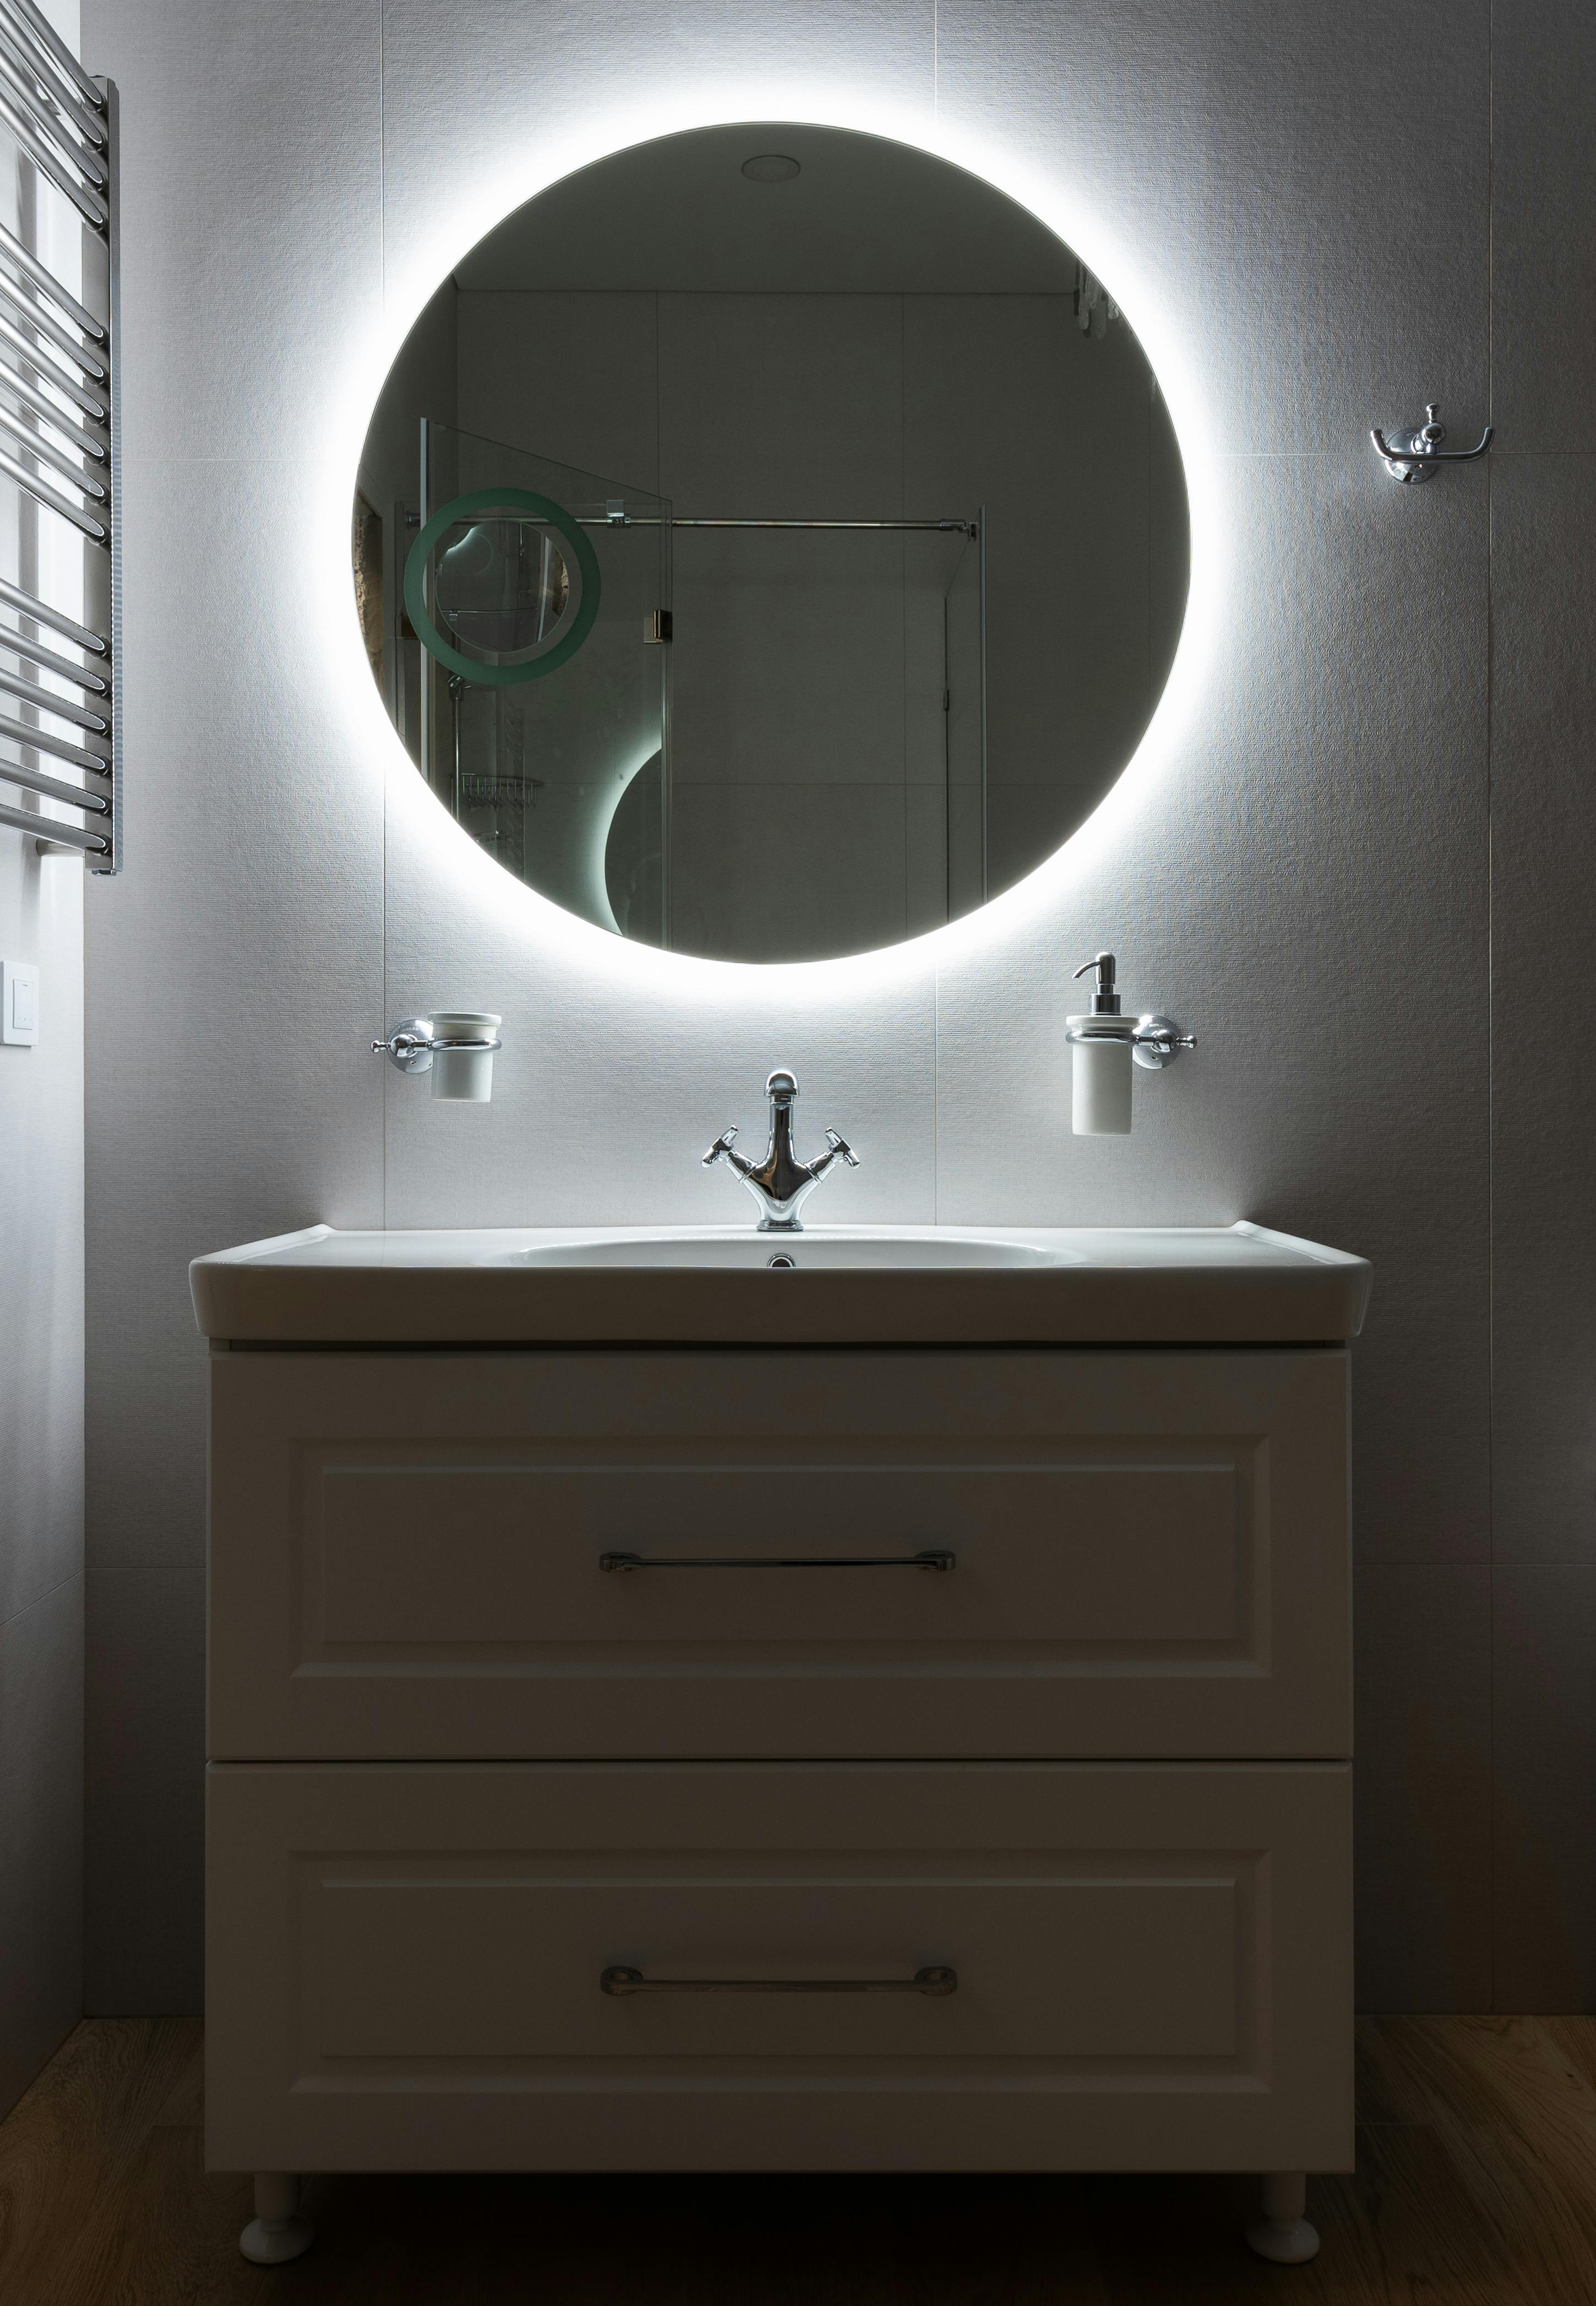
x=780 y=1183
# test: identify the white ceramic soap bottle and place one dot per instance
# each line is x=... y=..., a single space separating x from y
x=1101 y=1044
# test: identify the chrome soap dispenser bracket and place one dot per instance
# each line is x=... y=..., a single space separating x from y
x=1105 y=1045
x=1413 y=456
x=1155 y=1041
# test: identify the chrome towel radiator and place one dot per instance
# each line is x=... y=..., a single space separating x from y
x=60 y=446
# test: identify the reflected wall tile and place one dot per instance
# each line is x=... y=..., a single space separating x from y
x=782 y=407
x=788 y=872
x=1545 y=1755
x=569 y=378
x=1543 y=961
x=788 y=661
x=1422 y=1787
x=928 y=893
x=1010 y=412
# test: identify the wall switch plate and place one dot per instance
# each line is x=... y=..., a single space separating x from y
x=19 y=1003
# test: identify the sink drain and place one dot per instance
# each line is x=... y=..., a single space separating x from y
x=781 y=1262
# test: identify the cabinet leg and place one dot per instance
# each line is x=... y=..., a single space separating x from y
x=277 y=2231
x=1283 y=2232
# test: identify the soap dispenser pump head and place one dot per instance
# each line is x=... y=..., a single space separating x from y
x=1105 y=1001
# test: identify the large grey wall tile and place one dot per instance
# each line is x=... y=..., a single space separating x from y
x=251 y=225
x=1542 y=193
x=1545 y=1757
x=1248 y=178
x=1543 y=966
x=619 y=1067
x=478 y=115
x=41 y=1832
x=1304 y=887
x=143 y=1788
x=236 y=969
x=1303 y=882
x=1423 y=1787
x=41 y=1234
x=422 y=382
x=41 y=1311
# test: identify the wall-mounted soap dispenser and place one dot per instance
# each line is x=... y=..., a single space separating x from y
x=1106 y=1045
x=455 y=1045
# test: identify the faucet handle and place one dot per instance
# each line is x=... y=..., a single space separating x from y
x=721 y=1146
x=841 y=1145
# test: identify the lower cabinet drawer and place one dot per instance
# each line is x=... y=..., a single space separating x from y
x=758 y=1967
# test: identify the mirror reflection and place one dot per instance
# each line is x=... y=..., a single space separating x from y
x=771 y=543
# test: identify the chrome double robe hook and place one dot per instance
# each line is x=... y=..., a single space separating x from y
x=1414 y=455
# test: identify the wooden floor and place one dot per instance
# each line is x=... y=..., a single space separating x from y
x=1476 y=2186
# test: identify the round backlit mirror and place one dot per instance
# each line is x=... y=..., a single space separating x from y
x=771 y=543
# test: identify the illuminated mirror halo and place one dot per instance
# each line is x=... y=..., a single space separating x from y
x=868 y=656
x=518 y=588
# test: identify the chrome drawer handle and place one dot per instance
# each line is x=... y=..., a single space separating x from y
x=936 y=1980
x=935 y=1558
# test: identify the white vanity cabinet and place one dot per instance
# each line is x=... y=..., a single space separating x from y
x=688 y=1756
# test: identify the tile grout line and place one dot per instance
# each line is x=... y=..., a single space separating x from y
x=72 y=1576
x=935 y=1091
x=1491 y=1181
x=382 y=855
x=937 y=965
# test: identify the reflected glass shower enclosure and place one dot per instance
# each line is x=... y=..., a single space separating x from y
x=748 y=738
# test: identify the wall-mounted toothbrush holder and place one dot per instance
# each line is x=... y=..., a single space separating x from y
x=1414 y=455
x=1104 y=1047
x=455 y=1045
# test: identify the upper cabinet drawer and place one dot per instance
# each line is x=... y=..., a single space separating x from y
x=1047 y=1553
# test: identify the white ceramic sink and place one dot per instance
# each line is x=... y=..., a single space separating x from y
x=849 y=1284
x=818 y=1249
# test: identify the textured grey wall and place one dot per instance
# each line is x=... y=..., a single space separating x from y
x=41 y=1327
x=41 y=1454
x=1306 y=878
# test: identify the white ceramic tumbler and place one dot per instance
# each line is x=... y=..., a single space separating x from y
x=1101 y=1079
x=464 y=1076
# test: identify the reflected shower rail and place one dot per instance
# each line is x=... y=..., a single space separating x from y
x=971 y=528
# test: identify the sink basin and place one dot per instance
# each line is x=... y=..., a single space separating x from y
x=818 y=1249
x=829 y=1284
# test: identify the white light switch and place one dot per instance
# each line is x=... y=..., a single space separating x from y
x=19 y=1003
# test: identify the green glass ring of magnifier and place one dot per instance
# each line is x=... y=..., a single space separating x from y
x=511 y=500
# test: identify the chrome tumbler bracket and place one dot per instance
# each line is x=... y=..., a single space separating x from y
x=415 y=1041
